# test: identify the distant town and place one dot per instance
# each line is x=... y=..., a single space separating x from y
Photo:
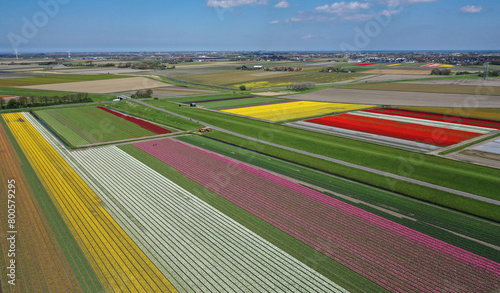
x=453 y=58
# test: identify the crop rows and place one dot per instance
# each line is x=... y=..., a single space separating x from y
x=144 y=124
x=391 y=255
x=64 y=127
x=426 y=122
x=197 y=243
x=404 y=130
x=40 y=265
x=365 y=136
x=92 y=125
x=438 y=117
x=293 y=110
x=202 y=249
x=118 y=262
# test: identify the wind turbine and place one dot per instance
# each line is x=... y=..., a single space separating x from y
x=17 y=54
x=69 y=54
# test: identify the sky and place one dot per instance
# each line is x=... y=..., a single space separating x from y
x=236 y=25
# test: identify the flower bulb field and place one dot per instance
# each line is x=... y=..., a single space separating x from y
x=232 y=192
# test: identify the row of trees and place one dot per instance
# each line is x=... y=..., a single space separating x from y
x=145 y=65
x=32 y=101
x=491 y=73
x=142 y=94
x=337 y=70
x=301 y=86
x=283 y=68
x=441 y=71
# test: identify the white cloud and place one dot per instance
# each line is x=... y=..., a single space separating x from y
x=234 y=3
x=308 y=16
x=282 y=4
x=359 y=17
x=393 y=3
x=274 y=22
x=471 y=9
x=342 y=7
x=309 y=37
x=390 y=12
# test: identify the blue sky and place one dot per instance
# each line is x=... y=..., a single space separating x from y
x=213 y=25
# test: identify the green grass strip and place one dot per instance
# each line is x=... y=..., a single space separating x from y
x=88 y=280
x=429 y=217
x=154 y=115
x=304 y=253
x=480 y=180
x=468 y=205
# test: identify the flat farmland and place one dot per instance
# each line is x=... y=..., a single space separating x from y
x=117 y=261
x=492 y=114
x=428 y=88
x=470 y=82
x=394 y=77
x=102 y=86
x=173 y=91
x=225 y=104
x=88 y=125
x=400 y=71
x=293 y=110
x=227 y=78
x=55 y=79
x=100 y=71
x=395 y=98
x=38 y=251
x=263 y=79
x=317 y=77
x=391 y=255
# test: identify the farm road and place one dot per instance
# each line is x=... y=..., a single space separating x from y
x=359 y=167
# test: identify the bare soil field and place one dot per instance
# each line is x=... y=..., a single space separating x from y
x=99 y=71
x=428 y=88
x=470 y=82
x=102 y=86
x=400 y=71
x=398 y=98
x=272 y=94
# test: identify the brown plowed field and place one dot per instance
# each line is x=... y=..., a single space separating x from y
x=102 y=86
x=40 y=263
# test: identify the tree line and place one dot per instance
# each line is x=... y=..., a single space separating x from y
x=32 y=101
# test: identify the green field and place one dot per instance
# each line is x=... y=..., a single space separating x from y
x=304 y=253
x=13 y=91
x=258 y=79
x=428 y=217
x=80 y=266
x=88 y=125
x=241 y=103
x=444 y=172
x=208 y=97
x=155 y=115
x=56 y=79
